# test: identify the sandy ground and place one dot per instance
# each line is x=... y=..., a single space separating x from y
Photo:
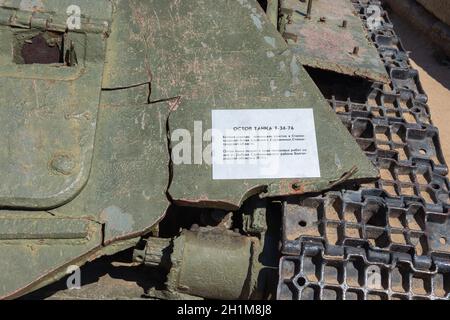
x=434 y=75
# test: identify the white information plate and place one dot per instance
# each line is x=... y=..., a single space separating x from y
x=264 y=144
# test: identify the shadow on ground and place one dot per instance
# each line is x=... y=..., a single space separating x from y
x=425 y=54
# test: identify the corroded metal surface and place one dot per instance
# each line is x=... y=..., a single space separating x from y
x=220 y=68
x=439 y=8
x=434 y=29
x=95 y=124
x=37 y=248
x=48 y=111
x=228 y=273
x=332 y=38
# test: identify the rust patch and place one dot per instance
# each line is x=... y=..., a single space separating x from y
x=328 y=40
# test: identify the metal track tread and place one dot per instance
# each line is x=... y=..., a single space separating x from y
x=389 y=239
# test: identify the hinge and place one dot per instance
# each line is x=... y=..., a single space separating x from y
x=50 y=22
